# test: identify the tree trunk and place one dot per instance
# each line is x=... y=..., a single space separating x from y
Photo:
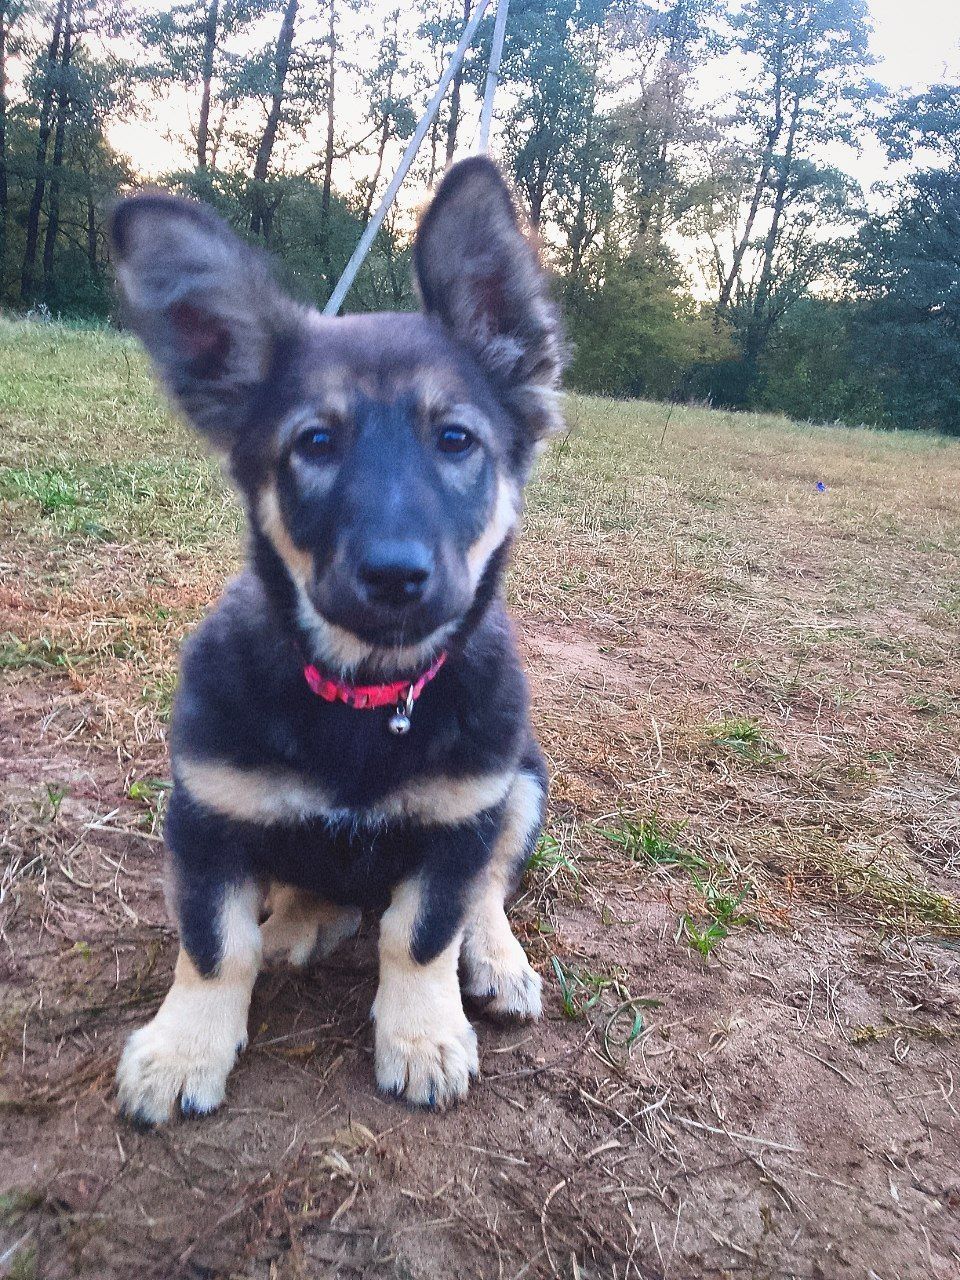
x=326 y=256
x=209 y=47
x=43 y=139
x=453 y=124
x=331 y=100
x=262 y=215
x=759 y=329
x=763 y=173
x=372 y=189
x=4 y=19
x=92 y=232
x=59 y=140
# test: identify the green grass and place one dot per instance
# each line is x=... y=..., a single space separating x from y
x=652 y=840
x=721 y=908
x=40 y=653
x=699 y=563
x=741 y=737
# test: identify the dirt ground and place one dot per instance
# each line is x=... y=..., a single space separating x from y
x=750 y=704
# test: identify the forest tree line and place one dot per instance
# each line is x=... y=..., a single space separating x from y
x=705 y=245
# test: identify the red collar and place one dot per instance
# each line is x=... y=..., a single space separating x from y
x=369 y=696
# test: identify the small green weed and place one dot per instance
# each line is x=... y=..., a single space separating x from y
x=16 y=654
x=580 y=989
x=549 y=858
x=151 y=793
x=742 y=737
x=51 y=490
x=722 y=908
x=56 y=795
x=650 y=839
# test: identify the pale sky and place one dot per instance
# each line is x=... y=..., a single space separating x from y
x=916 y=40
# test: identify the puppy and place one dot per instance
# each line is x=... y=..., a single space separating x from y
x=351 y=728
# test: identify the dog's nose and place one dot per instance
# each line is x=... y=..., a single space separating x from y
x=395 y=572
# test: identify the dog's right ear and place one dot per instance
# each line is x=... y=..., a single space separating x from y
x=203 y=303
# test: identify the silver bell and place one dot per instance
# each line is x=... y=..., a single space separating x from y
x=399 y=722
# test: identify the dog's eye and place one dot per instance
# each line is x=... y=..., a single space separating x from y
x=315 y=445
x=452 y=439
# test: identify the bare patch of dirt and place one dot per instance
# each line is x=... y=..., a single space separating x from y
x=786 y=1108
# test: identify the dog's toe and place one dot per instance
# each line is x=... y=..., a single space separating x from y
x=156 y=1068
x=506 y=985
x=427 y=1070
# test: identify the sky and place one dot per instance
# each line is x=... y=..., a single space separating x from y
x=915 y=40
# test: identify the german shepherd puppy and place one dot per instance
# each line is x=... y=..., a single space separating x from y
x=351 y=726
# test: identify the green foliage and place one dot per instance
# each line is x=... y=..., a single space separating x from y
x=812 y=368
x=651 y=839
x=701 y=252
x=721 y=907
x=638 y=335
x=908 y=274
x=740 y=736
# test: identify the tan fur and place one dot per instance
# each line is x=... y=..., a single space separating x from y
x=300 y=923
x=192 y=1042
x=280 y=795
x=496 y=965
x=340 y=650
x=298 y=562
x=499 y=526
x=424 y=1047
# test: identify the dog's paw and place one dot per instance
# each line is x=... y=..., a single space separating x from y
x=501 y=978
x=299 y=925
x=161 y=1063
x=427 y=1068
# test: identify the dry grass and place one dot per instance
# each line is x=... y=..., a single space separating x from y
x=748 y=692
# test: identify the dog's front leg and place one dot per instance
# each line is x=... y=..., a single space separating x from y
x=496 y=968
x=425 y=1050
x=191 y=1044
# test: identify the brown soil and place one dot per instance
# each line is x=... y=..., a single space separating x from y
x=787 y=1110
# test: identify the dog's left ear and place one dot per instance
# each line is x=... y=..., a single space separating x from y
x=477 y=271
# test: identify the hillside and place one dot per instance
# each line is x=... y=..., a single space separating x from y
x=743 y=639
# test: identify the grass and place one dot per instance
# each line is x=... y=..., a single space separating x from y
x=742 y=737
x=687 y=563
x=721 y=907
x=652 y=840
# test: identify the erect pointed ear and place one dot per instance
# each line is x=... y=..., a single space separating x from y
x=478 y=272
x=203 y=303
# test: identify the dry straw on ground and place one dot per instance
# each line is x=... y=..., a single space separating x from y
x=745 y=911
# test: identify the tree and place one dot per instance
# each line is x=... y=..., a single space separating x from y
x=808 y=92
x=906 y=269
x=43 y=87
x=261 y=212
x=11 y=13
x=638 y=334
x=389 y=112
x=188 y=46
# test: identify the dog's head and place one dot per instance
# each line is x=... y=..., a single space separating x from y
x=380 y=456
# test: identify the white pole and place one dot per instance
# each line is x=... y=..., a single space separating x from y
x=373 y=226
x=493 y=73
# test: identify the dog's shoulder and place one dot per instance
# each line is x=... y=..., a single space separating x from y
x=237 y=672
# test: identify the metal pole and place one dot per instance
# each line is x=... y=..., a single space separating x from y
x=493 y=73
x=373 y=226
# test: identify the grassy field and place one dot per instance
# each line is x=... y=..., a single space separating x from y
x=743 y=638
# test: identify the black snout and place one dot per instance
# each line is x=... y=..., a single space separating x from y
x=395 y=572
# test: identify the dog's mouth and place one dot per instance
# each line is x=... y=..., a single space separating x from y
x=385 y=632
